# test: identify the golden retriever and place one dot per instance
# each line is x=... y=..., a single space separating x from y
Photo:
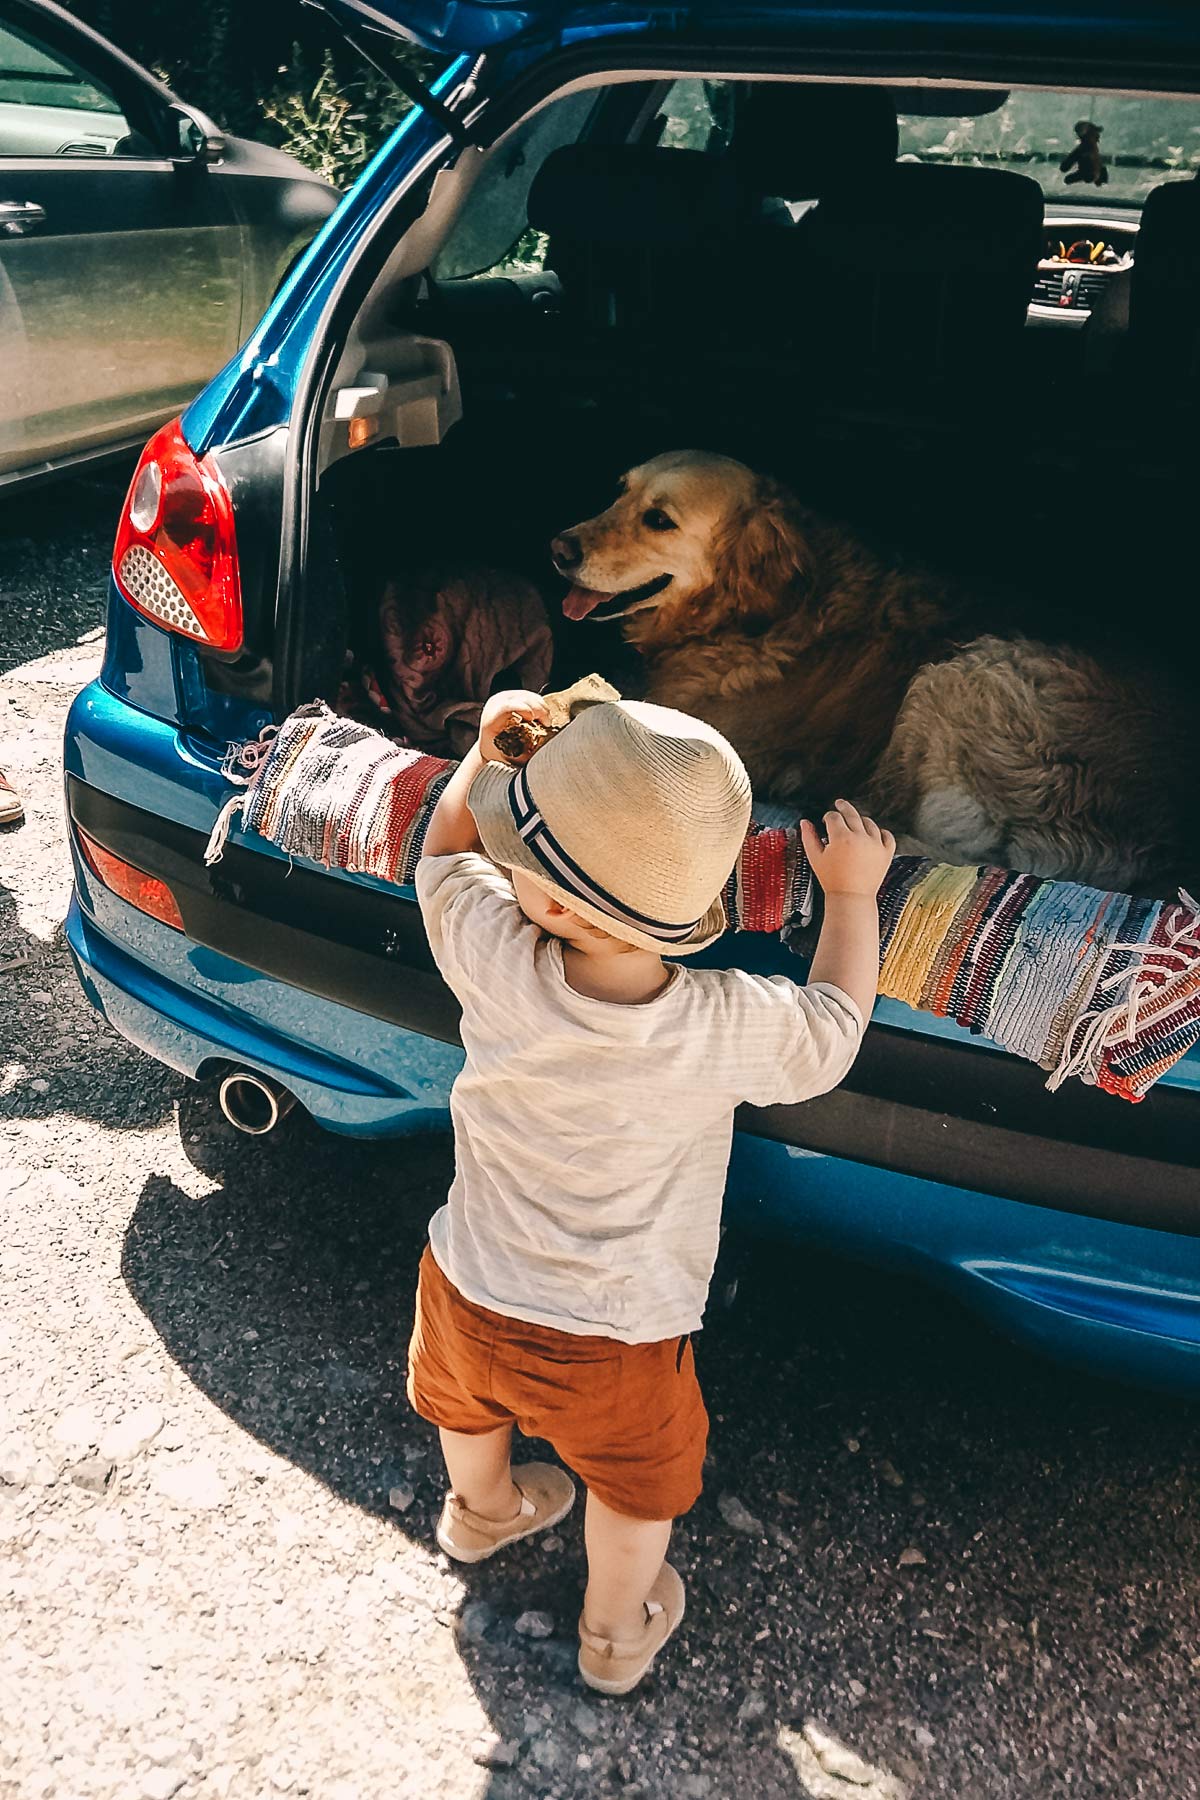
x=835 y=670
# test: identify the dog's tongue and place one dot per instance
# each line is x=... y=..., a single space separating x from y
x=580 y=602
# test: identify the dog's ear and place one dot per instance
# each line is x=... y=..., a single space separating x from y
x=760 y=556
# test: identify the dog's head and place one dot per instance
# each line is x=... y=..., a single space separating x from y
x=699 y=539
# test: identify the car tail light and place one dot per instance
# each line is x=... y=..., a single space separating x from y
x=144 y=891
x=175 y=557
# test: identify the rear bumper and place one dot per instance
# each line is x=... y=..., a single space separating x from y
x=1118 y=1299
x=1072 y=1221
x=199 y=1017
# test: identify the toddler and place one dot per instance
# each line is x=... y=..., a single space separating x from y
x=593 y=1123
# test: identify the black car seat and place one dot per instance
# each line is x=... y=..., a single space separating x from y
x=901 y=270
x=642 y=241
x=798 y=141
x=1164 y=310
x=925 y=276
x=794 y=146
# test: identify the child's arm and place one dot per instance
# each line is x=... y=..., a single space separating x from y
x=850 y=867
x=452 y=827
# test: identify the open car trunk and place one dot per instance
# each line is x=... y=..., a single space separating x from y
x=480 y=407
x=1078 y=545
x=845 y=287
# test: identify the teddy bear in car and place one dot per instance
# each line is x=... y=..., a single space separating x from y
x=1085 y=161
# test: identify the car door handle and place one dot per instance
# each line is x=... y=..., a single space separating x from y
x=19 y=216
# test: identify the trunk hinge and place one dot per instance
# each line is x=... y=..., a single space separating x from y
x=394 y=71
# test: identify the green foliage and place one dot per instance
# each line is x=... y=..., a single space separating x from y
x=528 y=253
x=333 y=127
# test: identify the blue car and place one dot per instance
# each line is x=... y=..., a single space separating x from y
x=464 y=360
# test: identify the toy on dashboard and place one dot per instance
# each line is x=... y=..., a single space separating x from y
x=1085 y=162
x=1085 y=250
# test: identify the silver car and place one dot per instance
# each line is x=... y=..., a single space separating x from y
x=138 y=244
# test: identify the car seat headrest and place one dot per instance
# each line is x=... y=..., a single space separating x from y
x=800 y=140
x=630 y=196
x=1165 y=205
x=921 y=216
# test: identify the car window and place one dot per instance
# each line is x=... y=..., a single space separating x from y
x=50 y=106
x=1139 y=143
x=493 y=231
x=493 y=234
x=694 y=115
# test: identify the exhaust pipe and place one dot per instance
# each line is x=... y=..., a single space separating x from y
x=253 y=1103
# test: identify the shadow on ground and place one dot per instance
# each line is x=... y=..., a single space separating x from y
x=84 y=1068
x=1044 y=1616
x=55 y=543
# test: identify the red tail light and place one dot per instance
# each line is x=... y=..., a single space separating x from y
x=144 y=891
x=176 y=552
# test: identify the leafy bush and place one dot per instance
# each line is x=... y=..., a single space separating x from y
x=528 y=253
x=332 y=126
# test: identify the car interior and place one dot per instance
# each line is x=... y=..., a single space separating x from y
x=50 y=106
x=891 y=300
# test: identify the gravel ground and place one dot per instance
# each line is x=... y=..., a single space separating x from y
x=924 y=1565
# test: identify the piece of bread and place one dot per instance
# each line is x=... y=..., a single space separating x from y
x=521 y=737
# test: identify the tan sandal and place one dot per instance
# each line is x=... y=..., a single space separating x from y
x=615 y=1666
x=547 y=1496
x=12 y=809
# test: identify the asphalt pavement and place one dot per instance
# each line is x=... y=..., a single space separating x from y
x=925 y=1564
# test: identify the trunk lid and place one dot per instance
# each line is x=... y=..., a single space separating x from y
x=1162 y=33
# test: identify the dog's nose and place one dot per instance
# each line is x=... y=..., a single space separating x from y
x=567 y=552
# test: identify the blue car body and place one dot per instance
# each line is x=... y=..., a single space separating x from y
x=1113 y=1285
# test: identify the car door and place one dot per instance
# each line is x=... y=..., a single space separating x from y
x=120 y=263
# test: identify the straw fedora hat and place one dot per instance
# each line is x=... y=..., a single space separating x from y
x=632 y=816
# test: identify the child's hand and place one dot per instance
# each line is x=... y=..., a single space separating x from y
x=498 y=712
x=452 y=828
x=855 y=859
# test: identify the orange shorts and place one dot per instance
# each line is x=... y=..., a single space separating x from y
x=627 y=1418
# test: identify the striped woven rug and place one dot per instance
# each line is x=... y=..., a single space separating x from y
x=1084 y=983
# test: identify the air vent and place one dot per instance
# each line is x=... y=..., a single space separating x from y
x=1047 y=288
x=1092 y=287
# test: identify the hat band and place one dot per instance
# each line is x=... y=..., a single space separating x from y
x=542 y=843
